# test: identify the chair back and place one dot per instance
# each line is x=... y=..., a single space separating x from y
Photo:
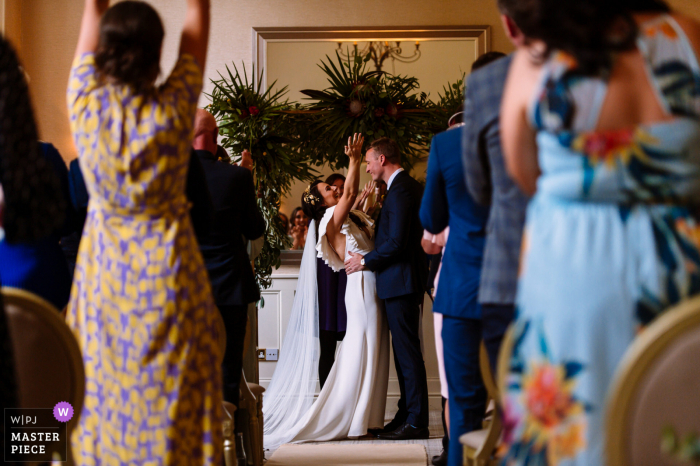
x=653 y=404
x=48 y=363
x=486 y=375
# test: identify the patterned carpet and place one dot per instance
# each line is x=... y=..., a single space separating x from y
x=433 y=445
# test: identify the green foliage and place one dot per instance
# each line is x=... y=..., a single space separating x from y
x=373 y=103
x=252 y=118
x=685 y=449
x=450 y=102
x=287 y=140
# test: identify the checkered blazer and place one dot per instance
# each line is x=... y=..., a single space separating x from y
x=489 y=184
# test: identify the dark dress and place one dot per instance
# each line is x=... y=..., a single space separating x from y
x=332 y=316
x=39 y=266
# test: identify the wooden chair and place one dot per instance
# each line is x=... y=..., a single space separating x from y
x=480 y=446
x=229 y=409
x=48 y=363
x=251 y=403
x=656 y=389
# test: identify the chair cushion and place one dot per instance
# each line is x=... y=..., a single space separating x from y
x=474 y=439
x=667 y=396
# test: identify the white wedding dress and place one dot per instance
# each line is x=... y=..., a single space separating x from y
x=354 y=396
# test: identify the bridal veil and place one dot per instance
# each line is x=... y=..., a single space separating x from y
x=291 y=391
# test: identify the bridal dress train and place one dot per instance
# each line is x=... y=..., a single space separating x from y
x=353 y=398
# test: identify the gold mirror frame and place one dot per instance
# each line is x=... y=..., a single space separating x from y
x=264 y=35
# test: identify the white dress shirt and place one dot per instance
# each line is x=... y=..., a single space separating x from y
x=391 y=178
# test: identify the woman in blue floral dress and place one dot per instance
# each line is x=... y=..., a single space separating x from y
x=600 y=123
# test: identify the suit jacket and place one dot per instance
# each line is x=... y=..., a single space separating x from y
x=446 y=201
x=236 y=215
x=398 y=258
x=489 y=184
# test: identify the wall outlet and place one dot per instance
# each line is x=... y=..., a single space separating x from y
x=261 y=354
x=271 y=354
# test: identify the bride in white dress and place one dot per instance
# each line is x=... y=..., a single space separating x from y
x=354 y=395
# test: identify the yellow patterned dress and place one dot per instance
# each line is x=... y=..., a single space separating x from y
x=141 y=305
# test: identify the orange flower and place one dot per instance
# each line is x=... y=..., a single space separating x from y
x=666 y=29
x=609 y=146
x=555 y=420
x=546 y=397
x=566 y=444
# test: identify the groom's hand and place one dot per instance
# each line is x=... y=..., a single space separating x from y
x=352 y=263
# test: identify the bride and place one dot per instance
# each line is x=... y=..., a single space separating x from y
x=354 y=396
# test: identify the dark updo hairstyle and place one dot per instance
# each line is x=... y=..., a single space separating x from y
x=314 y=208
x=589 y=30
x=128 y=52
x=312 y=204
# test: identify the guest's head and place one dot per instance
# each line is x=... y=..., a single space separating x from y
x=485 y=59
x=129 y=47
x=206 y=132
x=591 y=31
x=299 y=218
x=317 y=198
x=383 y=158
x=337 y=180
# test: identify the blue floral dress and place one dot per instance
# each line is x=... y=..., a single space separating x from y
x=611 y=241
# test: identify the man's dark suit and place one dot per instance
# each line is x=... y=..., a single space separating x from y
x=232 y=281
x=402 y=270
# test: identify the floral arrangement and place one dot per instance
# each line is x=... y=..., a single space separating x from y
x=287 y=140
x=373 y=103
x=252 y=118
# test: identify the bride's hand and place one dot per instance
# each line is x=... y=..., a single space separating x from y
x=354 y=147
x=369 y=188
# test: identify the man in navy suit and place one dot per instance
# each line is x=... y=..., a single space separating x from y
x=224 y=249
x=446 y=202
x=402 y=270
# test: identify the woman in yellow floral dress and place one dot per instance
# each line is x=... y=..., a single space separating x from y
x=141 y=306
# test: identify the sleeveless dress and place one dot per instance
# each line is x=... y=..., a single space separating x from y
x=141 y=305
x=353 y=398
x=611 y=241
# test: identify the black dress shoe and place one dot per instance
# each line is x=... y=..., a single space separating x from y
x=391 y=427
x=441 y=459
x=406 y=432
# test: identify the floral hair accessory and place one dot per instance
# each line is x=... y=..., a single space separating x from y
x=310 y=198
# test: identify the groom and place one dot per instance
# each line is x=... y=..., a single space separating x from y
x=401 y=267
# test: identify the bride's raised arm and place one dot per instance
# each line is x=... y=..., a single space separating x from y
x=352 y=181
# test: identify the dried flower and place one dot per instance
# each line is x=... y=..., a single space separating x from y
x=253 y=110
x=355 y=107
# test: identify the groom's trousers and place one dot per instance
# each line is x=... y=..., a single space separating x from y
x=403 y=314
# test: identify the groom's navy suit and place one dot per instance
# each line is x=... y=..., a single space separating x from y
x=402 y=270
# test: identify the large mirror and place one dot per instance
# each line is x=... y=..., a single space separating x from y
x=436 y=56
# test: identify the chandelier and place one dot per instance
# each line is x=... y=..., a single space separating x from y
x=379 y=51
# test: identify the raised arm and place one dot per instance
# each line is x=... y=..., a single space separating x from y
x=90 y=26
x=517 y=136
x=352 y=183
x=195 y=32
